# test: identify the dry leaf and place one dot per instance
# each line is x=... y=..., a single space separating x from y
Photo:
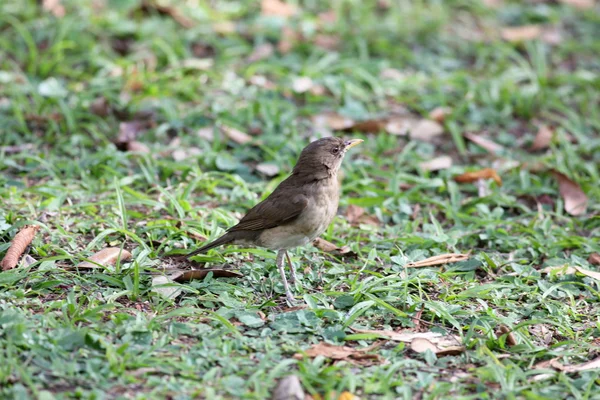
x=261 y=52
x=164 y=286
x=356 y=215
x=594 y=259
x=421 y=345
x=235 y=134
x=425 y=130
x=581 y=4
x=324 y=245
x=302 y=84
x=17 y=148
x=277 y=8
x=198 y=274
x=487 y=144
x=332 y=120
x=55 y=7
x=593 y=364
x=345 y=353
x=268 y=169
x=569 y=270
x=439 y=114
x=289 y=37
x=473 y=176
x=327 y=42
x=329 y=247
x=521 y=33
x=288 y=388
x=405 y=336
x=178 y=16
x=105 y=257
x=439 y=260
x=137 y=147
x=206 y=133
x=347 y=396
x=128 y=132
x=553 y=363
x=436 y=164
x=392 y=74
x=542 y=138
x=510 y=338
x=574 y=198
x=100 y=106
x=18 y=246
x=353 y=213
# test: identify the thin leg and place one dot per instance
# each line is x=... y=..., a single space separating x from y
x=293 y=278
x=279 y=263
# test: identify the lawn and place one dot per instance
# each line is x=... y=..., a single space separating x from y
x=152 y=126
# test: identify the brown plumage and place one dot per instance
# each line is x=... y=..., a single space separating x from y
x=298 y=210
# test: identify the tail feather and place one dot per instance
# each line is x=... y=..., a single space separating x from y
x=226 y=238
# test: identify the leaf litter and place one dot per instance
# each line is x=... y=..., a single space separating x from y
x=18 y=246
x=342 y=353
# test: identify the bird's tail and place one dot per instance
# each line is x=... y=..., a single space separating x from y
x=226 y=238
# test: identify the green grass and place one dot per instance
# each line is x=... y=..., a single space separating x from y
x=107 y=334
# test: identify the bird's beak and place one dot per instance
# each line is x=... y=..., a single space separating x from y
x=351 y=143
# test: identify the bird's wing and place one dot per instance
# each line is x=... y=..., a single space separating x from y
x=277 y=209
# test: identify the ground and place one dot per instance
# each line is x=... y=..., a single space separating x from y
x=153 y=127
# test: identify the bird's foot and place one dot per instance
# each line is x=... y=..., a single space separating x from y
x=290 y=299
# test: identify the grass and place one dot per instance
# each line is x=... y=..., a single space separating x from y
x=66 y=85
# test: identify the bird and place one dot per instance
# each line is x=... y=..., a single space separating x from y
x=299 y=209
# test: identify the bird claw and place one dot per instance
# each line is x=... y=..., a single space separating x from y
x=290 y=299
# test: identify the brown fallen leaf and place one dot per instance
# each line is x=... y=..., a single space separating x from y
x=523 y=33
x=473 y=176
x=399 y=125
x=17 y=148
x=128 y=132
x=198 y=274
x=137 y=147
x=277 y=8
x=342 y=353
x=421 y=345
x=329 y=247
x=18 y=246
x=55 y=7
x=268 y=169
x=574 y=198
x=543 y=138
x=487 y=144
x=587 y=366
x=100 y=106
x=347 y=396
x=178 y=16
x=206 y=133
x=105 y=257
x=327 y=42
x=594 y=259
x=288 y=388
x=302 y=84
x=438 y=260
x=570 y=270
x=356 y=215
x=504 y=330
x=439 y=114
x=581 y=4
x=235 y=134
x=436 y=164
x=261 y=52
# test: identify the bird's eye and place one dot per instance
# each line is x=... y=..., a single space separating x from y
x=335 y=150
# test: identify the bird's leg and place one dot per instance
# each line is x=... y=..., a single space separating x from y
x=292 y=268
x=279 y=262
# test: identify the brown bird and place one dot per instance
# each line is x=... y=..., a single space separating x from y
x=298 y=210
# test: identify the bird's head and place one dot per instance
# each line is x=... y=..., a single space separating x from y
x=323 y=157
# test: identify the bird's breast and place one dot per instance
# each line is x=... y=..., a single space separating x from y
x=323 y=197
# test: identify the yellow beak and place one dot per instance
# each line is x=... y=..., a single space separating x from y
x=352 y=142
